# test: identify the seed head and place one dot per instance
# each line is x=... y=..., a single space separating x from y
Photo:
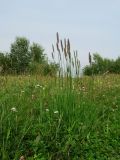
x=53 y=48
x=57 y=47
x=90 y=59
x=57 y=35
x=61 y=45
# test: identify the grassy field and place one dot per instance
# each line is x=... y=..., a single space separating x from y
x=44 y=118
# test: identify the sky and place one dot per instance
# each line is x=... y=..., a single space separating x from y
x=91 y=25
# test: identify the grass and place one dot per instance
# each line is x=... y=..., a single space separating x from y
x=42 y=118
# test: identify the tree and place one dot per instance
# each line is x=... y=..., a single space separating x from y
x=36 y=52
x=116 y=66
x=1 y=62
x=1 y=58
x=102 y=65
x=24 y=58
x=5 y=65
x=51 y=69
x=20 y=55
x=96 y=65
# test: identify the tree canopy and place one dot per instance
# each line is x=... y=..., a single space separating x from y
x=100 y=65
x=26 y=58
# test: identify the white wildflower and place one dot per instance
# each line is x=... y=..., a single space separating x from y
x=37 y=86
x=56 y=112
x=22 y=158
x=42 y=87
x=47 y=110
x=13 y=109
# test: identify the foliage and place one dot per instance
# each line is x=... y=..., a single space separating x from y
x=101 y=65
x=51 y=69
x=37 y=53
x=26 y=58
x=5 y=63
x=20 y=54
x=42 y=119
x=116 y=66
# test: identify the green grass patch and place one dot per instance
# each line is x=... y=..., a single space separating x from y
x=42 y=118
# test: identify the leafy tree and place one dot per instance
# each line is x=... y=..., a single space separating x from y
x=5 y=64
x=37 y=54
x=102 y=65
x=116 y=66
x=24 y=58
x=51 y=69
x=1 y=62
x=39 y=63
x=20 y=55
x=1 y=58
x=87 y=70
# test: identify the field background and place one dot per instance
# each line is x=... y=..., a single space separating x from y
x=51 y=118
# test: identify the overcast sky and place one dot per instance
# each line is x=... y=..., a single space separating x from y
x=91 y=25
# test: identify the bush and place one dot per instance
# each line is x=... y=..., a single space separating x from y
x=102 y=65
x=24 y=58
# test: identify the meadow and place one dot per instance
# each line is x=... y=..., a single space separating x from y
x=49 y=118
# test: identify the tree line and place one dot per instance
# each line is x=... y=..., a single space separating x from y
x=29 y=58
x=100 y=65
x=26 y=58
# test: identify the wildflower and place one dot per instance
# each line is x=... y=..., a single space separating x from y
x=33 y=97
x=42 y=87
x=56 y=112
x=13 y=109
x=82 y=88
x=47 y=110
x=22 y=158
x=37 y=86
